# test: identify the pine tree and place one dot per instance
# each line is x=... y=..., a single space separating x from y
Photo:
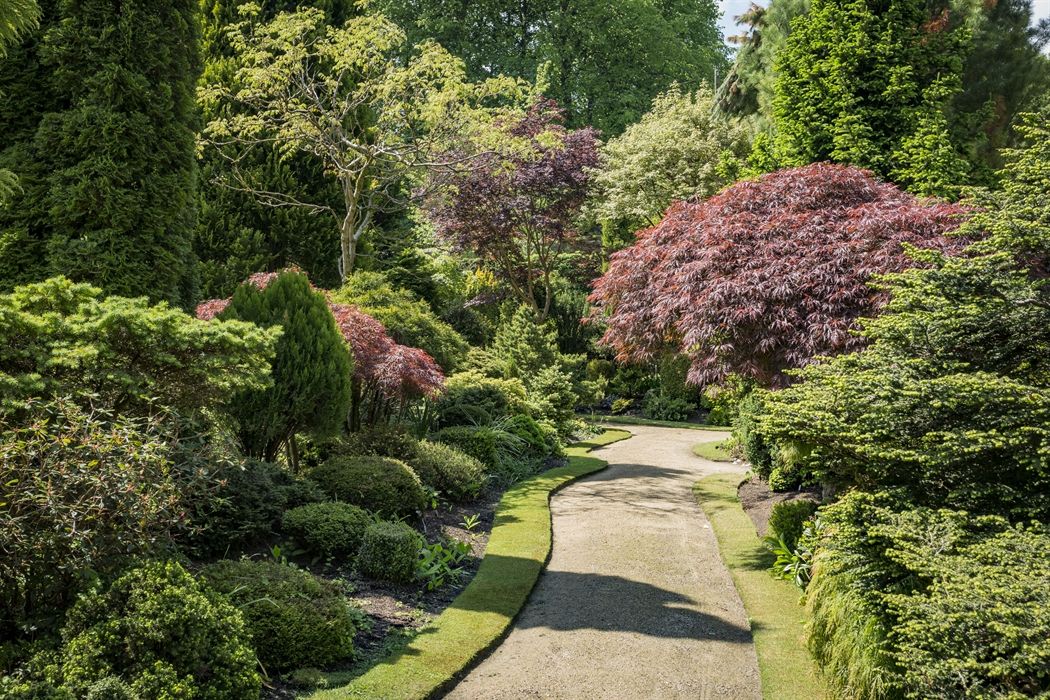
x=524 y=346
x=311 y=370
x=108 y=158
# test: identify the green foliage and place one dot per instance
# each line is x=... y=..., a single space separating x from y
x=63 y=338
x=80 y=494
x=680 y=149
x=311 y=370
x=980 y=629
x=105 y=154
x=379 y=484
x=17 y=17
x=409 y=320
x=553 y=395
x=788 y=518
x=480 y=442
x=604 y=68
x=327 y=530
x=246 y=507
x=389 y=552
x=524 y=346
x=163 y=634
x=454 y=474
x=470 y=398
x=439 y=563
x=853 y=86
x=757 y=449
x=293 y=618
x=621 y=405
x=661 y=406
x=539 y=441
x=908 y=601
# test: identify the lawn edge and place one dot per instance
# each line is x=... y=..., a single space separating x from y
x=635 y=420
x=787 y=670
x=518 y=549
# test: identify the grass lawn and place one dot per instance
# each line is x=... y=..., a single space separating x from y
x=636 y=420
x=478 y=618
x=712 y=450
x=787 y=670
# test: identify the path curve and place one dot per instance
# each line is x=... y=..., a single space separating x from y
x=635 y=602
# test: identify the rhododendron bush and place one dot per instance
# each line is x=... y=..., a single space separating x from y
x=387 y=374
x=767 y=274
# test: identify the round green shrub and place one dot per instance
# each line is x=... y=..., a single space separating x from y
x=327 y=529
x=477 y=441
x=787 y=519
x=756 y=446
x=471 y=398
x=378 y=441
x=163 y=634
x=293 y=617
x=110 y=688
x=458 y=476
x=379 y=484
x=538 y=443
x=389 y=552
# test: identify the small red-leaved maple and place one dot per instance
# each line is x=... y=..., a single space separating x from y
x=383 y=369
x=767 y=274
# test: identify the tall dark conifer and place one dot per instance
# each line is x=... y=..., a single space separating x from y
x=106 y=148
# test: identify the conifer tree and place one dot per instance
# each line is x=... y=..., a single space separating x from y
x=311 y=370
x=108 y=155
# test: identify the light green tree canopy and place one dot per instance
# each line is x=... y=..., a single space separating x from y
x=346 y=97
x=680 y=149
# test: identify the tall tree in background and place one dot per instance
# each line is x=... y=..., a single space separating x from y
x=337 y=95
x=235 y=236
x=17 y=17
x=853 y=80
x=604 y=64
x=105 y=148
x=517 y=212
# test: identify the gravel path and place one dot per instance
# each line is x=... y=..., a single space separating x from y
x=635 y=602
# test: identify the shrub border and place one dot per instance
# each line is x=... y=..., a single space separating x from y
x=787 y=670
x=478 y=619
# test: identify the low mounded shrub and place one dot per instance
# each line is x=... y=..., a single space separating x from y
x=480 y=442
x=539 y=442
x=458 y=476
x=661 y=406
x=328 y=530
x=390 y=552
x=471 y=398
x=163 y=634
x=787 y=519
x=379 y=441
x=293 y=618
x=379 y=484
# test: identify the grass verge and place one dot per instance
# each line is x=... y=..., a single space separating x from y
x=478 y=618
x=772 y=605
x=636 y=420
x=713 y=450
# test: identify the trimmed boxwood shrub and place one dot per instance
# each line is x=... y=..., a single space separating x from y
x=380 y=484
x=390 y=552
x=458 y=476
x=327 y=529
x=787 y=519
x=293 y=617
x=163 y=634
x=477 y=441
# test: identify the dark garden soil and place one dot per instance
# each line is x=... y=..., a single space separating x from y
x=758 y=500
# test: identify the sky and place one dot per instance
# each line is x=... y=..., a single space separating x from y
x=732 y=8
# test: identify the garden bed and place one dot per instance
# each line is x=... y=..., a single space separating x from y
x=758 y=500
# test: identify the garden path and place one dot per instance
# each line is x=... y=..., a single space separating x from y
x=635 y=602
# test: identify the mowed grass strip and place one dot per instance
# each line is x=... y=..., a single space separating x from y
x=636 y=420
x=788 y=671
x=713 y=450
x=478 y=618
